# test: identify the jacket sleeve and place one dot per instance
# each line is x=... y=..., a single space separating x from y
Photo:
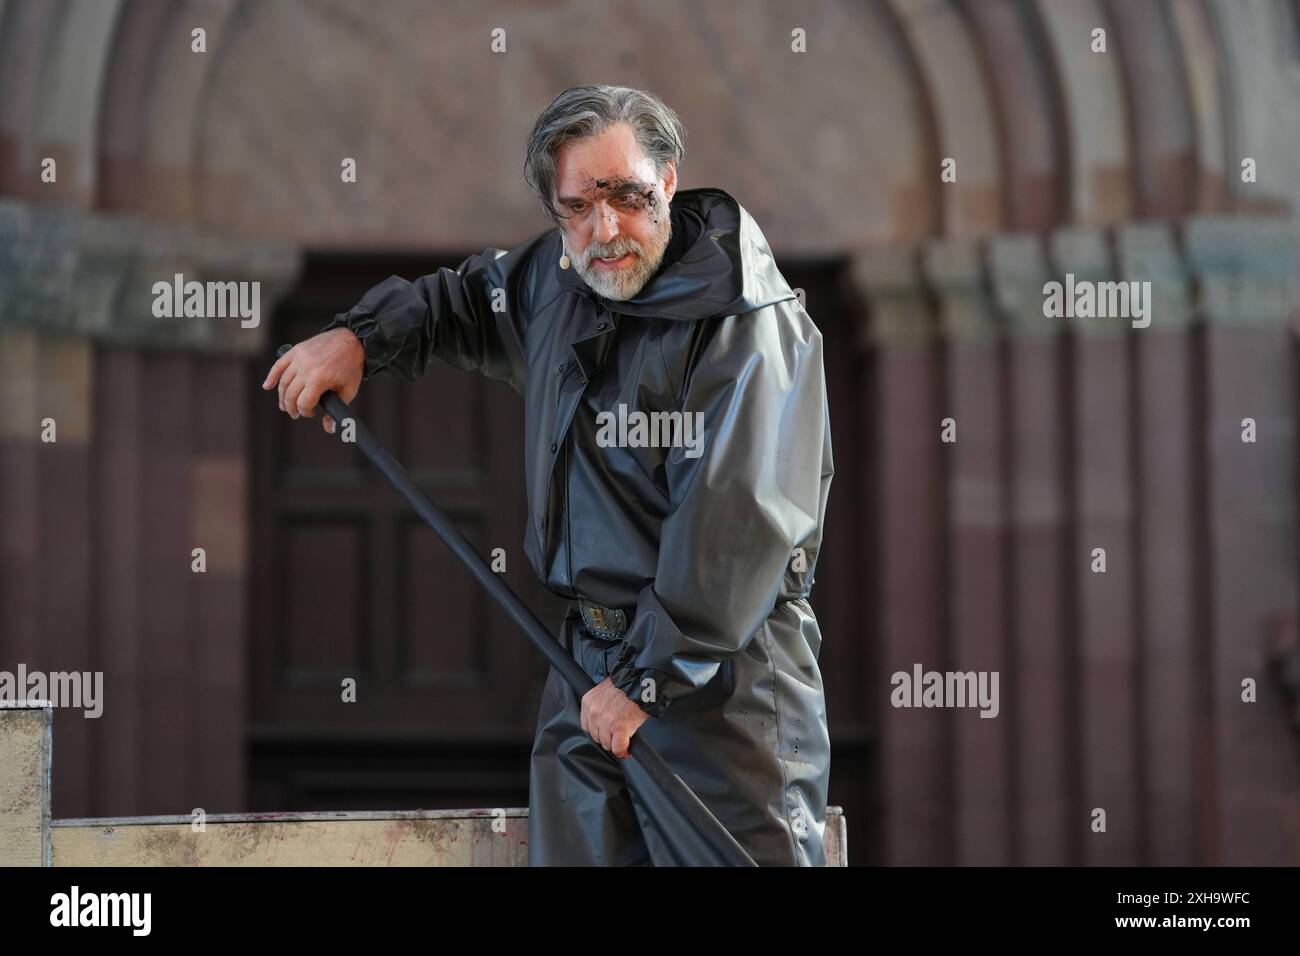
x=470 y=317
x=754 y=491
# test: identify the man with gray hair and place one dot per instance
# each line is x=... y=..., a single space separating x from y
x=688 y=569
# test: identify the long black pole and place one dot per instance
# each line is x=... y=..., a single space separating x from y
x=673 y=786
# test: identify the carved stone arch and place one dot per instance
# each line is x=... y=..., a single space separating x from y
x=820 y=165
x=1161 y=127
x=1094 y=107
x=174 y=117
x=71 y=91
x=1252 y=49
x=27 y=32
x=1202 y=64
x=962 y=106
x=132 y=68
x=1035 y=176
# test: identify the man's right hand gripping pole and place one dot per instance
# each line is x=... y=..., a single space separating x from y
x=332 y=361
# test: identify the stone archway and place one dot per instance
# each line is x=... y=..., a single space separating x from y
x=1125 y=163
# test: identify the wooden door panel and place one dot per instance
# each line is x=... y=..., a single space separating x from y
x=443 y=640
x=320 y=639
x=351 y=583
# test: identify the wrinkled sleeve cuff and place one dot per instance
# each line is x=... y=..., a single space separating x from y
x=631 y=680
x=363 y=324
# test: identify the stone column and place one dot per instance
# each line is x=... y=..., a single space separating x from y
x=1168 y=546
x=1102 y=435
x=1246 y=272
x=1039 y=694
x=976 y=550
x=907 y=529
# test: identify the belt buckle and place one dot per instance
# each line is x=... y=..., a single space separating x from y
x=604 y=622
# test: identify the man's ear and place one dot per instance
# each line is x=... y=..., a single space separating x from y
x=670 y=178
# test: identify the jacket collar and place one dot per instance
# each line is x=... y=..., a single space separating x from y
x=729 y=269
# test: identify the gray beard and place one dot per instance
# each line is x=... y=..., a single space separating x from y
x=626 y=282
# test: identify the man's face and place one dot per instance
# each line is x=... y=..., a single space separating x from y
x=614 y=210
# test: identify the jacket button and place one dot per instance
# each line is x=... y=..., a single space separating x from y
x=554 y=446
x=601 y=327
x=560 y=367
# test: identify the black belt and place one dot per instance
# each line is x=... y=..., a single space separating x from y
x=609 y=623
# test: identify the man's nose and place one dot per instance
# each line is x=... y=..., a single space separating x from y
x=606 y=223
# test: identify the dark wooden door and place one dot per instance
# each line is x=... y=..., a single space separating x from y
x=350 y=584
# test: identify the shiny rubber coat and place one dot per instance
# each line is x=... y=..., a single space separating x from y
x=709 y=549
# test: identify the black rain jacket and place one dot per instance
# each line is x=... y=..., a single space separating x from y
x=711 y=549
